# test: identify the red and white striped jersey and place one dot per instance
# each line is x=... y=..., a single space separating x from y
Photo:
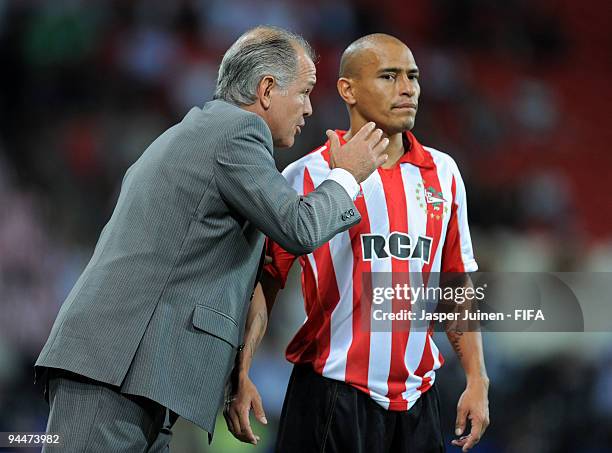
x=422 y=197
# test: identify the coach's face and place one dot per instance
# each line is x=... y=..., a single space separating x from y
x=290 y=106
x=386 y=87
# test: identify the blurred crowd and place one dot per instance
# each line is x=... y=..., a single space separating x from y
x=516 y=91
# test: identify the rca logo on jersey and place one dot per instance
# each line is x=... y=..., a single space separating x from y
x=397 y=245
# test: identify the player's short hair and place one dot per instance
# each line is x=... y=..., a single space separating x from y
x=259 y=52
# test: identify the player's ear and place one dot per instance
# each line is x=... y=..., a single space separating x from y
x=264 y=90
x=345 y=89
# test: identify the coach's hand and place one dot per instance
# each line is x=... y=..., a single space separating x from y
x=239 y=406
x=473 y=405
x=362 y=154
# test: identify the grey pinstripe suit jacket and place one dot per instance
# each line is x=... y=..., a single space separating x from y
x=161 y=306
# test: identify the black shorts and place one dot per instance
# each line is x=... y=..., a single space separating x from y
x=325 y=415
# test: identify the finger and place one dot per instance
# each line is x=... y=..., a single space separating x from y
x=460 y=421
x=459 y=442
x=245 y=424
x=235 y=422
x=381 y=146
x=366 y=130
x=475 y=434
x=228 y=422
x=334 y=146
x=471 y=442
x=258 y=411
x=334 y=141
x=375 y=137
x=483 y=427
x=332 y=154
x=233 y=427
x=268 y=259
x=381 y=159
x=246 y=440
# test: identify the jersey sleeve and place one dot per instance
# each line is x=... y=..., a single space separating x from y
x=281 y=263
x=457 y=254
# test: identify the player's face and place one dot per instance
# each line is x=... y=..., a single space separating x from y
x=387 y=88
x=289 y=107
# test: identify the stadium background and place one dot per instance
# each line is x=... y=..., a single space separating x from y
x=516 y=91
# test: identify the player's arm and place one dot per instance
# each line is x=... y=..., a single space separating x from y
x=243 y=393
x=458 y=259
x=473 y=404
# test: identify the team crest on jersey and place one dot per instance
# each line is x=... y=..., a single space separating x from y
x=430 y=196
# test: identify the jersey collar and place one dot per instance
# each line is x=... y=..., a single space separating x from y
x=415 y=154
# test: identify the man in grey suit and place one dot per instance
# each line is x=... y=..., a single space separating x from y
x=151 y=329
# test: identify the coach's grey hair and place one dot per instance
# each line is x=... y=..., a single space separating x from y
x=261 y=51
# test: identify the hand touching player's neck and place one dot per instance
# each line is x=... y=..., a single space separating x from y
x=395 y=150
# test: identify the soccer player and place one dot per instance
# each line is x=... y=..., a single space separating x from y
x=353 y=387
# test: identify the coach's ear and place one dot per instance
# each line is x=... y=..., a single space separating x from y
x=264 y=91
x=345 y=89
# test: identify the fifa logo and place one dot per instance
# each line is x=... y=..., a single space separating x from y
x=397 y=245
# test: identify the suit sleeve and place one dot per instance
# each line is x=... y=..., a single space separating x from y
x=457 y=254
x=249 y=182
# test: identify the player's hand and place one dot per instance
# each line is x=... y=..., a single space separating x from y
x=362 y=154
x=473 y=405
x=238 y=407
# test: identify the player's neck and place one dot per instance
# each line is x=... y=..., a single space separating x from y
x=395 y=149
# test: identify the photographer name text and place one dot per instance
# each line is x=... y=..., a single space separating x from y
x=465 y=315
